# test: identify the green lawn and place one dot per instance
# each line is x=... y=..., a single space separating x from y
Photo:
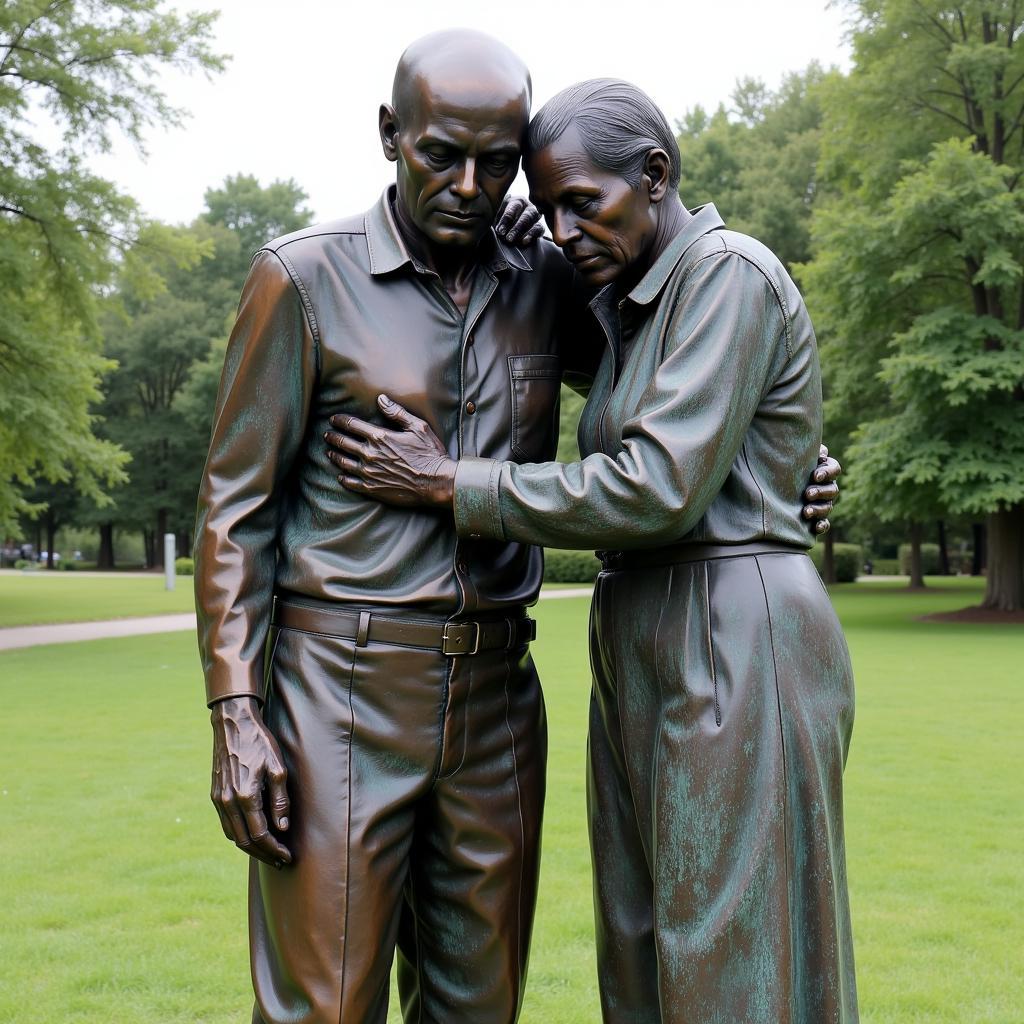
x=123 y=904
x=34 y=598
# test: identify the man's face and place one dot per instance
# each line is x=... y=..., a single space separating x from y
x=456 y=157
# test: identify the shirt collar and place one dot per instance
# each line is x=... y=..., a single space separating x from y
x=388 y=251
x=704 y=220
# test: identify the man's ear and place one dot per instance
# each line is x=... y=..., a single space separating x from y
x=388 y=118
x=657 y=171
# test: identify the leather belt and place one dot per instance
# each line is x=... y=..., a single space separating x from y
x=450 y=638
x=613 y=561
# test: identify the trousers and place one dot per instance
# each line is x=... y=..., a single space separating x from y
x=720 y=722
x=416 y=783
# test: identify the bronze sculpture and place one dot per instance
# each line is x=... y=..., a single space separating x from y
x=723 y=695
x=394 y=720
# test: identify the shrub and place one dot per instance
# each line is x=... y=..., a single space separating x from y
x=929 y=559
x=570 y=566
x=848 y=560
x=25 y=565
x=885 y=566
x=184 y=566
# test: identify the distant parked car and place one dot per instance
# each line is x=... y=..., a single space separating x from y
x=44 y=555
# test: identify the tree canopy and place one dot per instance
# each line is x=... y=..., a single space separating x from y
x=89 y=66
x=919 y=266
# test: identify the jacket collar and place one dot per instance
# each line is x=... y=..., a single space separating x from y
x=704 y=220
x=388 y=251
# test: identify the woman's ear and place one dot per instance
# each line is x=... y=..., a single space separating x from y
x=388 y=122
x=657 y=171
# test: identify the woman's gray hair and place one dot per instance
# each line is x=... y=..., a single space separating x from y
x=618 y=125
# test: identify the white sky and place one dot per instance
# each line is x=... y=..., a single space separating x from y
x=300 y=96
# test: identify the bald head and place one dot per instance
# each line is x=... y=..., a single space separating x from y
x=455 y=128
x=468 y=68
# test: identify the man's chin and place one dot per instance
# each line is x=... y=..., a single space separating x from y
x=458 y=236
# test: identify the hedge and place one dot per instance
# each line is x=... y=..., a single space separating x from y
x=570 y=566
x=849 y=558
x=929 y=559
x=184 y=567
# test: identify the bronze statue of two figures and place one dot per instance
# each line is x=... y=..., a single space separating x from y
x=377 y=494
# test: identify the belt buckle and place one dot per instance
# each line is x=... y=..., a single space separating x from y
x=460 y=638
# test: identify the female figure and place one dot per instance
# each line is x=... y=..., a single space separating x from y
x=722 y=701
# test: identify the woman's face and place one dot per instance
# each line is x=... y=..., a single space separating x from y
x=604 y=226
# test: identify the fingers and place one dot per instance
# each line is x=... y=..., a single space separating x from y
x=346 y=444
x=354 y=483
x=398 y=413
x=354 y=425
x=277 y=779
x=243 y=822
x=822 y=492
x=510 y=213
x=262 y=843
x=827 y=470
x=822 y=453
x=822 y=526
x=531 y=236
x=350 y=466
x=819 y=510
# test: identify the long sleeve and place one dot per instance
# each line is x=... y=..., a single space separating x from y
x=722 y=340
x=258 y=428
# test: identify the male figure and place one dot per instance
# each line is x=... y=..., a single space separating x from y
x=402 y=705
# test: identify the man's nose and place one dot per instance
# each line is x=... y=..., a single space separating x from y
x=564 y=229
x=465 y=185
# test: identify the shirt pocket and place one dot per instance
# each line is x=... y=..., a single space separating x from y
x=535 y=381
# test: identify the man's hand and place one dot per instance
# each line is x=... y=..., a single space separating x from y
x=246 y=759
x=406 y=467
x=519 y=222
x=822 y=492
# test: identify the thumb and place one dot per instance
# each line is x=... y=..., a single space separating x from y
x=398 y=413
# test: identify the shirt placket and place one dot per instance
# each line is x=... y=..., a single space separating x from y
x=484 y=287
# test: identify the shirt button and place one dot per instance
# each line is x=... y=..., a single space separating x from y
x=471 y=408
x=463 y=567
x=470 y=339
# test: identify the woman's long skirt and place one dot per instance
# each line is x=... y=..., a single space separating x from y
x=720 y=722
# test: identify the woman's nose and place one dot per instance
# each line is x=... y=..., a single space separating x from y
x=564 y=229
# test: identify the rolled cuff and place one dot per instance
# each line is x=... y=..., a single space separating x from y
x=222 y=683
x=477 y=490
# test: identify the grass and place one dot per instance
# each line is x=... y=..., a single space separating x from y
x=123 y=904
x=37 y=598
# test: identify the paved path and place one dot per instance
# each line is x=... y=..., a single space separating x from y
x=72 y=632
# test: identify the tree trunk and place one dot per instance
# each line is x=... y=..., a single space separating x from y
x=147 y=546
x=51 y=537
x=943 y=549
x=105 y=558
x=978 y=555
x=1004 y=583
x=184 y=544
x=158 y=542
x=916 y=571
x=38 y=538
x=828 y=559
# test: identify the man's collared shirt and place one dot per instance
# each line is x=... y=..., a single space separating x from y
x=331 y=317
x=703 y=422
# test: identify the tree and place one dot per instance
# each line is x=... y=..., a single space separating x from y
x=920 y=266
x=89 y=65
x=757 y=160
x=166 y=327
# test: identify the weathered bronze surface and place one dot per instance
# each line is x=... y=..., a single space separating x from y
x=723 y=694
x=387 y=781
